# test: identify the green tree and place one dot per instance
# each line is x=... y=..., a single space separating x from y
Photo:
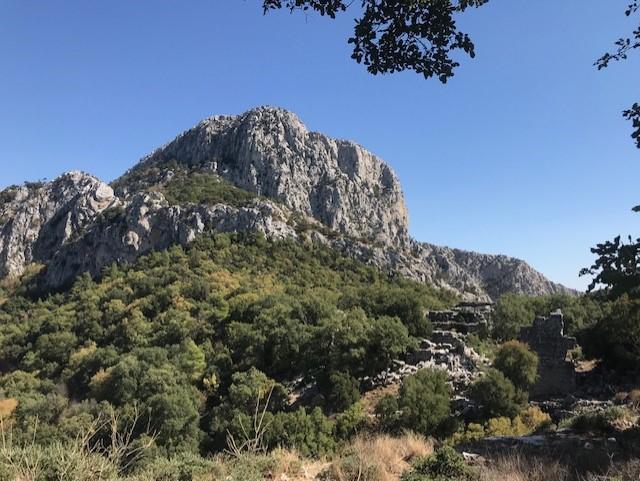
x=311 y=434
x=615 y=339
x=174 y=417
x=424 y=401
x=388 y=340
x=617 y=267
x=497 y=396
x=518 y=364
x=344 y=390
x=624 y=46
x=191 y=360
x=510 y=314
x=388 y=413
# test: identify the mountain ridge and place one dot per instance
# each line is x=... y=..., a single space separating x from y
x=299 y=184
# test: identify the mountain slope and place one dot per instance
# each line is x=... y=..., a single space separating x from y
x=259 y=171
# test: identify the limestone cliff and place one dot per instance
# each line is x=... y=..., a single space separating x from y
x=270 y=152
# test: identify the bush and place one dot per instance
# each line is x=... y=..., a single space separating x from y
x=445 y=465
x=518 y=364
x=598 y=421
x=388 y=413
x=310 y=434
x=530 y=420
x=202 y=188
x=616 y=338
x=344 y=391
x=423 y=402
x=351 y=422
x=497 y=396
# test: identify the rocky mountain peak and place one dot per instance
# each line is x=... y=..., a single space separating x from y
x=261 y=171
x=270 y=152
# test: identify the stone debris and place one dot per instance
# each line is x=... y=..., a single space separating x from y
x=447 y=351
x=466 y=318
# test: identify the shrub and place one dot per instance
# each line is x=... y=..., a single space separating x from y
x=445 y=465
x=535 y=419
x=633 y=399
x=518 y=364
x=616 y=338
x=351 y=422
x=530 y=420
x=424 y=401
x=388 y=413
x=311 y=434
x=344 y=390
x=597 y=421
x=203 y=188
x=496 y=396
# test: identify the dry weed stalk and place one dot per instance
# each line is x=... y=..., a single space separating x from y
x=253 y=442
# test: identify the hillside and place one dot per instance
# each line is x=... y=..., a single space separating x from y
x=260 y=171
x=179 y=332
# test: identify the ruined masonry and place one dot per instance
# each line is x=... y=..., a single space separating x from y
x=556 y=375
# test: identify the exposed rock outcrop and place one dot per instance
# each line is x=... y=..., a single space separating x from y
x=345 y=196
x=148 y=223
x=270 y=152
x=446 y=350
x=38 y=219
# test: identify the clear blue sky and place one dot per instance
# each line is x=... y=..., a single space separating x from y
x=524 y=152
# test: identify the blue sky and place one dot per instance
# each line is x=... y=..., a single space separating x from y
x=524 y=152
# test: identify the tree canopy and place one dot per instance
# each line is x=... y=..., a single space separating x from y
x=396 y=35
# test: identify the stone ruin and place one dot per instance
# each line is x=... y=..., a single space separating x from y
x=556 y=375
x=447 y=350
x=466 y=318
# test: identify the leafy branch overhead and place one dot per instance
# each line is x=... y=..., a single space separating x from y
x=396 y=35
x=617 y=267
x=623 y=47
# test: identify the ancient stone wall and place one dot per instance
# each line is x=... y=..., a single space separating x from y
x=556 y=375
x=465 y=318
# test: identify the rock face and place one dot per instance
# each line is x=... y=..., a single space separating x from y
x=36 y=220
x=270 y=152
x=149 y=223
x=311 y=186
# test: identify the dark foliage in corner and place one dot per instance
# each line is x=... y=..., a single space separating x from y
x=396 y=35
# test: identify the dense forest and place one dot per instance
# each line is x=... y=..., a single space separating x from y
x=191 y=338
x=240 y=345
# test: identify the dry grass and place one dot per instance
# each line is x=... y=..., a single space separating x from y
x=633 y=399
x=518 y=468
x=287 y=462
x=379 y=458
x=629 y=471
x=371 y=398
